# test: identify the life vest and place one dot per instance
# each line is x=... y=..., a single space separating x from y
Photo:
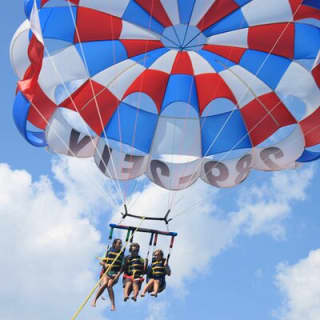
x=135 y=266
x=110 y=256
x=158 y=268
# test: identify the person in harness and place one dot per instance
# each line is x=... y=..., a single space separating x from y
x=113 y=262
x=134 y=269
x=157 y=272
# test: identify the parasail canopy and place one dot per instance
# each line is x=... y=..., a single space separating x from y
x=174 y=89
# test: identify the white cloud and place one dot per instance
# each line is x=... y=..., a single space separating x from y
x=85 y=186
x=300 y=284
x=157 y=311
x=201 y=236
x=258 y=273
x=263 y=208
x=48 y=239
x=202 y=232
x=47 y=249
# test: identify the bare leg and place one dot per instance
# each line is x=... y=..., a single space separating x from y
x=104 y=284
x=135 y=290
x=111 y=295
x=155 y=288
x=148 y=287
x=127 y=289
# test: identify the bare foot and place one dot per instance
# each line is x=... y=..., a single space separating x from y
x=113 y=307
x=93 y=304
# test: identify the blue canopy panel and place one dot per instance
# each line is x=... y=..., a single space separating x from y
x=181 y=31
x=223 y=132
x=28 y=4
x=218 y=63
x=148 y=58
x=309 y=156
x=241 y=3
x=100 y=55
x=132 y=126
x=307 y=41
x=233 y=21
x=181 y=88
x=137 y=15
x=58 y=23
x=21 y=109
x=185 y=10
x=312 y=3
x=267 y=67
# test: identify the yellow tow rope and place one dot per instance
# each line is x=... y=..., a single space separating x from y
x=108 y=269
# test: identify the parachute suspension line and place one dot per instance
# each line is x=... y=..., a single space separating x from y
x=132 y=204
x=154 y=233
x=259 y=69
x=226 y=121
x=173 y=205
x=97 y=186
x=253 y=128
x=130 y=231
x=172 y=193
x=188 y=24
x=117 y=183
x=95 y=100
x=141 y=86
x=233 y=147
x=251 y=91
x=100 y=92
x=184 y=144
x=184 y=211
x=278 y=39
x=268 y=112
x=72 y=101
x=262 y=65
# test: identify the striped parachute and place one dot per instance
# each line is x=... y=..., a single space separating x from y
x=174 y=89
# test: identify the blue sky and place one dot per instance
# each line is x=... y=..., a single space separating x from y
x=250 y=252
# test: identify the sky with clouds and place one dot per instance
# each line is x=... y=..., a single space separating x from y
x=250 y=252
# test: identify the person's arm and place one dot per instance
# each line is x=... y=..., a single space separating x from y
x=117 y=276
x=125 y=265
x=122 y=269
x=145 y=266
x=103 y=263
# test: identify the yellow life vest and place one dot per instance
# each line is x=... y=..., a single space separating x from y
x=135 y=266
